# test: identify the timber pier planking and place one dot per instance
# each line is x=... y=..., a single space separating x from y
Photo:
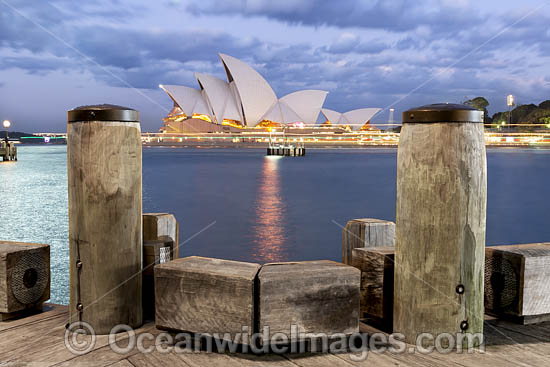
x=39 y=340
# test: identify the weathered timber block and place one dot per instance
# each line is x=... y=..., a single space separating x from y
x=517 y=281
x=24 y=277
x=156 y=225
x=366 y=232
x=158 y=251
x=377 y=267
x=154 y=252
x=204 y=295
x=308 y=297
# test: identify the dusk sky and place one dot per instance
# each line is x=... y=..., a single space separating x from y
x=56 y=55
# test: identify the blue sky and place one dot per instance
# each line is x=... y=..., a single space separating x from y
x=56 y=55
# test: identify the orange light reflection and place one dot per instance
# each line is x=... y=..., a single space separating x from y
x=268 y=231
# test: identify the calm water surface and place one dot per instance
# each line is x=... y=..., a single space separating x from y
x=242 y=205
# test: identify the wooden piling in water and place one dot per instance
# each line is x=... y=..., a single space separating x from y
x=8 y=151
x=440 y=226
x=105 y=216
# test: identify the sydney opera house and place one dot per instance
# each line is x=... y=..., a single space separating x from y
x=246 y=102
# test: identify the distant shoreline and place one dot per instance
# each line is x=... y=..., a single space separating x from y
x=326 y=147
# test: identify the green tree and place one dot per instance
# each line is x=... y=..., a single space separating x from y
x=481 y=104
x=520 y=113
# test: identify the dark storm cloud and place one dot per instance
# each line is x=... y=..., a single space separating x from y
x=146 y=59
x=141 y=58
x=396 y=15
x=35 y=65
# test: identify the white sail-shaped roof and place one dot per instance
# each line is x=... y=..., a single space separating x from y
x=331 y=115
x=219 y=97
x=232 y=110
x=306 y=103
x=255 y=94
x=237 y=97
x=361 y=115
x=185 y=97
x=201 y=107
x=281 y=113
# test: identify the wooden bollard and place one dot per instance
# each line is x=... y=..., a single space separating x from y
x=366 y=232
x=105 y=223
x=440 y=222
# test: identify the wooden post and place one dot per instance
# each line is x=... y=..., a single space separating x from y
x=366 y=232
x=377 y=268
x=156 y=225
x=157 y=251
x=105 y=216
x=440 y=222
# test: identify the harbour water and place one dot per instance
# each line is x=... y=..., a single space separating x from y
x=240 y=204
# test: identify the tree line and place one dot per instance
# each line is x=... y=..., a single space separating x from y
x=525 y=114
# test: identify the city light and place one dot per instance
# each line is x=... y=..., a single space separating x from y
x=510 y=100
x=6 y=124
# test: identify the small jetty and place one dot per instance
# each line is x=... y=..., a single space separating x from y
x=8 y=151
x=286 y=149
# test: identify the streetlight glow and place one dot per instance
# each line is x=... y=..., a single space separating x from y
x=6 y=123
x=510 y=100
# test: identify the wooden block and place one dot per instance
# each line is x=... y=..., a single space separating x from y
x=21 y=314
x=377 y=267
x=158 y=251
x=24 y=276
x=366 y=232
x=161 y=224
x=155 y=252
x=204 y=295
x=517 y=281
x=315 y=296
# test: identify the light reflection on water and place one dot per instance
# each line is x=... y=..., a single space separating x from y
x=268 y=232
x=34 y=206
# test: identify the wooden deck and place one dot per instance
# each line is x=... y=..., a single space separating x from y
x=38 y=340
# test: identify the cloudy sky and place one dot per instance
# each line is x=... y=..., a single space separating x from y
x=55 y=55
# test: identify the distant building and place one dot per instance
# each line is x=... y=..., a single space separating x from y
x=246 y=100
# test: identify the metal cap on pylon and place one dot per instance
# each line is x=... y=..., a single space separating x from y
x=103 y=112
x=443 y=112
